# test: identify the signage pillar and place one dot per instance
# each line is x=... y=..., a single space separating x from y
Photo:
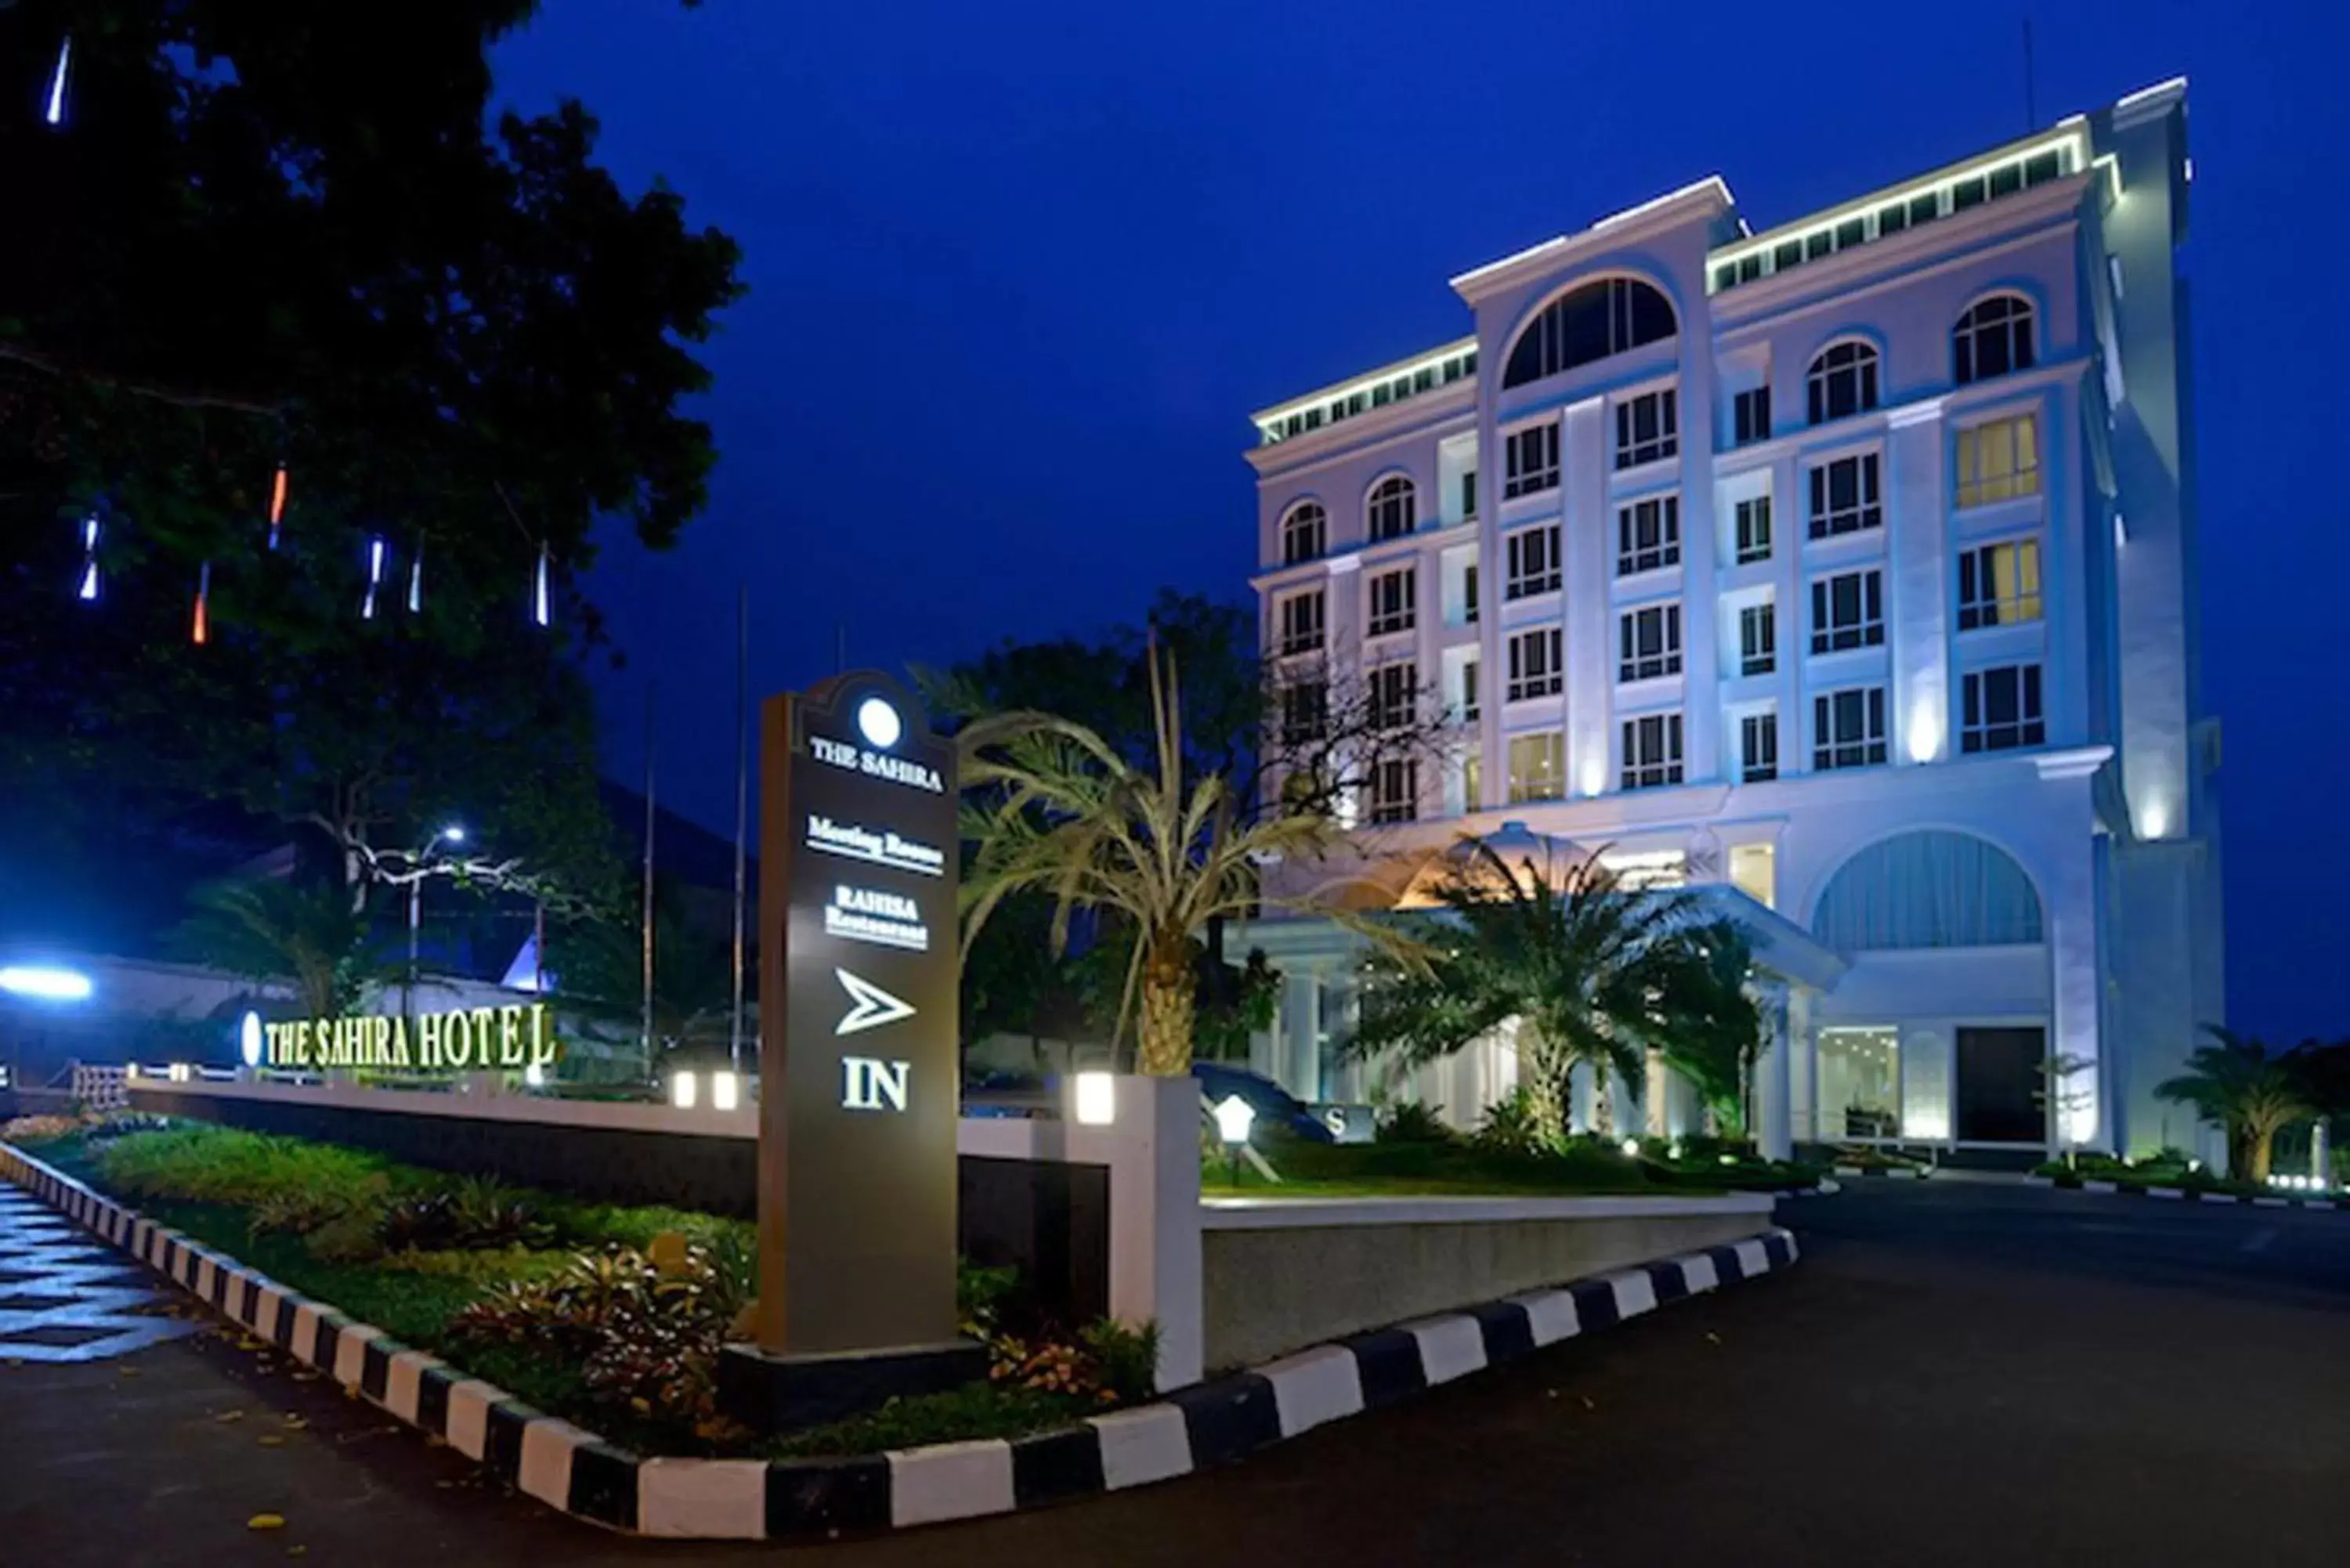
x=859 y=1068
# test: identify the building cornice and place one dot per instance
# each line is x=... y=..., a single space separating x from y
x=1706 y=199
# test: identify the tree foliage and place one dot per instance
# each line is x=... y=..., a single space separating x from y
x=1593 y=973
x=269 y=931
x=2238 y=1082
x=270 y=233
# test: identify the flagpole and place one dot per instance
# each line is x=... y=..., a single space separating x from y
x=648 y=1023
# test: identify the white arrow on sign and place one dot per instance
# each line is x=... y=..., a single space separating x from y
x=874 y=1006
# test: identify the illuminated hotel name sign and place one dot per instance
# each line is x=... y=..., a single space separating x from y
x=463 y=1040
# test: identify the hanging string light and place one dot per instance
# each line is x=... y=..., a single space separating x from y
x=375 y=577
x=276 y=503
x=539 y=599
x=416 y=579
x=201 y=632
x=54 y=105
x=89 y=593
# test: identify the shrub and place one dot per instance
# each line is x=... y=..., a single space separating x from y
x=476 y=1214
x=1509 y=1126
x=33 y=1132
x=1411 y=1121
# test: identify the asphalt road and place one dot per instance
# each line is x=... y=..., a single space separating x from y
x=1954 y=1374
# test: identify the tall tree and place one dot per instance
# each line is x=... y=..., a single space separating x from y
x=262 y=238
x=2236 y=1082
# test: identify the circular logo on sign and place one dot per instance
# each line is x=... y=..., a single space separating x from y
x=878 y=722
x=249 y=1039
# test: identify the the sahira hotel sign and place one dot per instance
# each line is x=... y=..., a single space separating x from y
x=512 y=1037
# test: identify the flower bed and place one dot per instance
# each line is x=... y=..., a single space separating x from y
x=612 y=1317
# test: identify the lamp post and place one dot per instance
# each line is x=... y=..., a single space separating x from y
x=1233 y=1115
x=452 y=833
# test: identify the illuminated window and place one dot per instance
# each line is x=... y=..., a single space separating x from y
x=1652 y=751
x=1305 y=534
x=1847 y=611
x=1651 y=643
x=1841 y=382
x=1999 y=461
x=1393 y=600
x=1538 y=766
x=1536 y=668
x=1754 y=871
x=1992 y=339
x=1589 y=323
x=1302 y=622
x=1531 y=459
x=1999 y=585
x=1533 y=561
x=1648 y=534
x=1647 y=428
x=1393 y=507
x=2000 y=709
x=1845 y=496
x=1754 y=529
x=1859 y=1078
x=1848 y=728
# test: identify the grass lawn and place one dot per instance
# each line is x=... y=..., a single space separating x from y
x=1459 y=1169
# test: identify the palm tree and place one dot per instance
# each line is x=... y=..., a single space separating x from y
x=1054 y=807
x=2239 y=1085
x=1713 y=1029
x=1593 y=973
x=270 y=930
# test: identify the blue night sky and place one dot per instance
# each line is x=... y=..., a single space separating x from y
x=1019 y=272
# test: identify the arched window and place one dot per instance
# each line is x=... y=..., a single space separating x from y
x=1928 y=888
x=1841 y=381
x=1586 y=324
x=1304 y=533
x=1393 y=508
x=1992 y=339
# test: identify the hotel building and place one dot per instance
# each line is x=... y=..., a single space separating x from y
x=1842 y=570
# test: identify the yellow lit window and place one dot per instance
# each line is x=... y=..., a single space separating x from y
x=1999 y=461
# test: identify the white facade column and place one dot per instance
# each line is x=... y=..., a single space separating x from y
x=1590 y=620
x=1770 y=1129
x=1155 y=1272
x=2076 y=992
x=1917 y=583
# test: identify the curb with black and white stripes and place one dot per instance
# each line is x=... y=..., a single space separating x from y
x=1213 y=1423
x=2182 y=1194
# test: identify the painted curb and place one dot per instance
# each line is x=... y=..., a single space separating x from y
x=577 y=1473
x=2103 y=1187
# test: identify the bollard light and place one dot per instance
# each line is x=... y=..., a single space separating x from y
x=726 y=1091
x=682 y=1091
x=179 y=1073
x=1631 y=1147
x=1234 y=1116
x=1094 y=1102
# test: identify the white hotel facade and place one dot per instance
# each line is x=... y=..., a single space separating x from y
x=1844 y=569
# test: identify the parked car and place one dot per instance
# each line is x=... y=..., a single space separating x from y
x=1274 y=1105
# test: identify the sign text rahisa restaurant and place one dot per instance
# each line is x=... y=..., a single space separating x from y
x=464 y=1039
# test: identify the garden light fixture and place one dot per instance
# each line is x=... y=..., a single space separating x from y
x=1093 y=1101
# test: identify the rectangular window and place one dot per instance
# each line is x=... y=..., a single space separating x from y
x=1648 y=534
x=1844 y=496
x=1469 y=592
x=1532 y=560
x=1999 y=461
x=1646 y=428
x=1754 y=530
x=1302 y=622
x=1469 y=494
x=1395 y=692
x=1847 y=611
x=1859 y=1085
x=1538 y=766
x=1532 y=459
x=1305 y=712
x=2001 y=710
x=1469 y=709
x=1394 y=601
x=1758 y=747
x=1750 y=416
x=1999 y=585
x=1848 y=728
x=1758 y=638
x=1534 y=667
x=1395 y=789
x=1652 y=751
x=1651 y=643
